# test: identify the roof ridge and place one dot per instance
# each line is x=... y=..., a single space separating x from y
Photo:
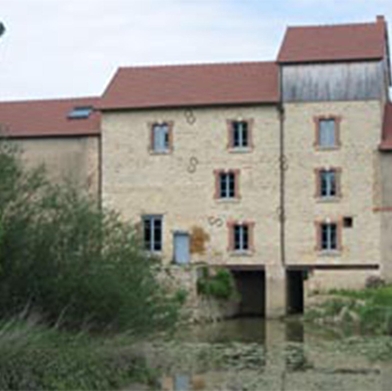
x=201 y=64
x=46 y=100
x=334 y=25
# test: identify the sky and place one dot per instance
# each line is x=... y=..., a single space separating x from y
x=69 y=48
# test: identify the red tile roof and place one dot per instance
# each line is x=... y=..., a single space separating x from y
x=192 y=85
x=386 y=138
x=47 y=118
x=349 y=42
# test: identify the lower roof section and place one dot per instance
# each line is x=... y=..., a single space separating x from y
x=50 y=118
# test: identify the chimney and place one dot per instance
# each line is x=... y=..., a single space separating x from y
x=380 y=19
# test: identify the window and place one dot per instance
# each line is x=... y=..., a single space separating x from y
x=328 y=236
x=152 y=233
x=328 y=183
x=240 y=236
x=348 y=222
x=327 y=132
x=80 y=112
x=239 y=134
x=226 y=184
x=161 y=137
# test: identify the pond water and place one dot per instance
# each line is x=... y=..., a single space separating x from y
x=253 y=354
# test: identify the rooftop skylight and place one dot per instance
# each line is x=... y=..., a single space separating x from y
x=80 y=112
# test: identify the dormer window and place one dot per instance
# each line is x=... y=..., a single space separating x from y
x=80 y=112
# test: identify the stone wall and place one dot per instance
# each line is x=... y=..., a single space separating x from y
x=197 y=308
x=357 y=158
x=72 y=158
x=181 y=185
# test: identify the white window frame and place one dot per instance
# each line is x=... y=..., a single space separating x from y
x=227 y=187
x=154 y=244
x=242 y=244
x=328 y=183
x=327 y=135
x=331 y=240
x=242 y=129
x=161 y=138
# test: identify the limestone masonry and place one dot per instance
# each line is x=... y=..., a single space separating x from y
x=279 y=171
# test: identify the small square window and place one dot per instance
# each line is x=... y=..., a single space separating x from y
x=348 y=222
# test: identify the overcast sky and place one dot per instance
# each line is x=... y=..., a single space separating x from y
x=60 y=48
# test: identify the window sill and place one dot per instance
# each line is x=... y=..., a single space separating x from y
x=227 y=200
x=332 y=148
x=152 y=152
x=154 y=253
x=241 y=253
x=240 y=149
x=329 y=253
x=328 y=200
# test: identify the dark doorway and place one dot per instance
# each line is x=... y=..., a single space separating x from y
x=251 y=287
x=295 y=291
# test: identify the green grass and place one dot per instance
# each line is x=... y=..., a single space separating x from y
x=34 y=357
x=368 y=311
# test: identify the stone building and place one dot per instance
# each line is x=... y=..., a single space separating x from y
x=62 y=134
x=279 y=171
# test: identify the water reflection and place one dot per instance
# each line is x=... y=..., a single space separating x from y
x=260 y=355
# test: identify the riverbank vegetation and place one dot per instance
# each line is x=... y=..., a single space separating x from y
x=367 y=311
x=217 y=283
x=75 y=269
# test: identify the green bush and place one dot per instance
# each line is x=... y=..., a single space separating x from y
x=220 y=285
x=74 y=264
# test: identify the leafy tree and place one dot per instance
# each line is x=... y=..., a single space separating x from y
x=74 y=264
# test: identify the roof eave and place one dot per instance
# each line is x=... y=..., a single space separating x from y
x=181 y=106
x=326 y=61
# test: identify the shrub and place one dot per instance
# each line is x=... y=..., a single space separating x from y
x=75 y=264
x=374 y=282
x=220 y=285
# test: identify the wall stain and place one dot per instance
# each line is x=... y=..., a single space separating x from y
x=198 y=240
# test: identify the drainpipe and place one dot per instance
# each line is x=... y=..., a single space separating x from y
x=282 y=169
